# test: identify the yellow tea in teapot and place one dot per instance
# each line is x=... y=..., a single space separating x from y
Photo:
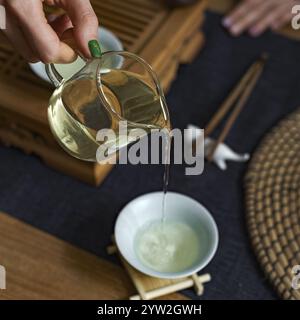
x=114 y=87
x=76 y=111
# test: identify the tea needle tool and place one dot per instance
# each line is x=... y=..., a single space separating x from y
x=240 y=95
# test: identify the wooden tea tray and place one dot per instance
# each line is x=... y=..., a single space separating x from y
x=40 y=266
x=164 y=37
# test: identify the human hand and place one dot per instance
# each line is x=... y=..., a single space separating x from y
x=38 y=39
x=256 y=16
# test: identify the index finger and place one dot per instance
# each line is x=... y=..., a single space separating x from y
x=239 y=11
x=85 y=22
x=39 y=33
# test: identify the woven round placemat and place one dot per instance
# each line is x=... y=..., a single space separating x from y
x=273 y=205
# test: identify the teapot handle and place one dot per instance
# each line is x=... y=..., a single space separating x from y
x=55 y=77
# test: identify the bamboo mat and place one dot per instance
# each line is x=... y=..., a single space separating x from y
x=273 y=204
x=40 y=266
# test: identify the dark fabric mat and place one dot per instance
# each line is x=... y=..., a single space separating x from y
x=84 y=215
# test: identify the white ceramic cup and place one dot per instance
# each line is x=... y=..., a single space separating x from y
x=108 y=42
x=148 y=208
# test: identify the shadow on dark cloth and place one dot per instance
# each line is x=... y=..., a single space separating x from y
x=84 y=215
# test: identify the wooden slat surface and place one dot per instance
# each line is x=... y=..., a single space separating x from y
x=145 y=27
x=40 y=266
x=132 y=21
x=169 y=49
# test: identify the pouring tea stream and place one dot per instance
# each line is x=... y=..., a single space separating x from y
x=101 y=96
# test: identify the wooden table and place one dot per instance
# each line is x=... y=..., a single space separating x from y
x=40 y=266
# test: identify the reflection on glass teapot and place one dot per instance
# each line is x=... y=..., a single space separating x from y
x=112 y=87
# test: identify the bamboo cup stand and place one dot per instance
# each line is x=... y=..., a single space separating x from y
x=149 y=288
x=164 y=37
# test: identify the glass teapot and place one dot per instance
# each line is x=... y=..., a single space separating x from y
x=112 y=89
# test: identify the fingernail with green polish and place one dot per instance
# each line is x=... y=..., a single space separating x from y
x=95 y=49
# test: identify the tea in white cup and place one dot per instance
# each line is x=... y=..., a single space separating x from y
x=168 y=246
x=181 y=245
